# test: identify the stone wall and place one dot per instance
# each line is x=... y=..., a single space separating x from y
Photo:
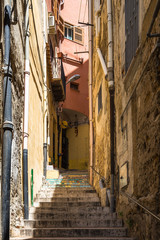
x=137 y=118
x=17 y=63
x=138 y=122
x=101 y=121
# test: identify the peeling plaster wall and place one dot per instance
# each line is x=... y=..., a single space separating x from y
x=17 y=63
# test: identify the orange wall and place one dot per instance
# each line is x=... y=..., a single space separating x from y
x=76 y=100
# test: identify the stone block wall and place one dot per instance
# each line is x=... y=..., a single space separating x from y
x=138 y=122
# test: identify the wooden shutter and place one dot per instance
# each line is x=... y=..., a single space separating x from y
x=131 y=30
x=55 y=9
x=78 y=35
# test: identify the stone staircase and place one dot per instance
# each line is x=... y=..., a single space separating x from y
x=69 y=208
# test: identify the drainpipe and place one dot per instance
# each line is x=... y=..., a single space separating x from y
x=26 y=106
x=111 y=92
x=58 y=126
x=45 y=94
x=90 y=9
x=102 y=61
x=7 y=126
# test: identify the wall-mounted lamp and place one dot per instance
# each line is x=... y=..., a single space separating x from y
x=73 y=78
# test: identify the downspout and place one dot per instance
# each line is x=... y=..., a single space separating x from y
x=104 y=67
x=45 y=94
x=26 y=110
x=7 y=126
x=90 y=9
x=111 y=92
x=108 y=72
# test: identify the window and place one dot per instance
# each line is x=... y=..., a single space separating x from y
x=68 y=32
x=131 y=30
x=73 y=33
x=100 y=99
x=74 y=86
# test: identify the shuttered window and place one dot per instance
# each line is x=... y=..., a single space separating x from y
x=131 y=30
x=73 y=33
x=78 y=35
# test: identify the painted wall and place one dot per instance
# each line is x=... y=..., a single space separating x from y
x=76 y=100
x=78 y=157
x=101 y=119
x=35 y=140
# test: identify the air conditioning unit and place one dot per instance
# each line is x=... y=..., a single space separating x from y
x=52 y=25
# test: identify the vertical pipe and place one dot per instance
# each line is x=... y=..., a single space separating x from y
x=26 y=110
x=45 y=93
x=111 y=92
x=112 y=148
x=90 y=9
x=32 y=187
x=58 y=137
x=7 y=128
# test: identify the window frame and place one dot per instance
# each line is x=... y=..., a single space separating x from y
x=76 y=32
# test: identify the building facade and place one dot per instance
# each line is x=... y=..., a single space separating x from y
x=134 y=48
x=74 y=50
x=36 y=86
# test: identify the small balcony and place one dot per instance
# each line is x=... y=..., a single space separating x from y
x=56 y=76
x=58 y=81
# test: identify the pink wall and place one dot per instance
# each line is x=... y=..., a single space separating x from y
x=49 y=5
x=76 y=100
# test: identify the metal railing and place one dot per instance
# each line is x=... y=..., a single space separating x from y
x=102 y=177
x=140 y=205
x=129 y=197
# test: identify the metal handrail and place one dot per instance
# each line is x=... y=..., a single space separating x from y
x=140 y=205
x=131 y=198
x=99 y=174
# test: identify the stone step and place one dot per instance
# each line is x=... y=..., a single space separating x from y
x=80 y=223
x=77 y=209
x=65 y=195
x=75 y=238
x=88 y=215
x=74 y=232
x=68 y=199
x=68 y=190
x=69 y=185
x=67 y=204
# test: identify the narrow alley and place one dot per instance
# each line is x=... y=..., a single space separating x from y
x=80 y=119
x=69 y=208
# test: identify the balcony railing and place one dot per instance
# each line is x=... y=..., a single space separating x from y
x=58 y=80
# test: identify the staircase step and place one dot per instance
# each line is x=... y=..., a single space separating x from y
x=90 y=216
x=68 y=199
x=68 y=190
x=65 y=188
x=75 y=238
x=74 y=232
x=73 y=223
x=77 y=209
x=65 y=195
x=67 y=204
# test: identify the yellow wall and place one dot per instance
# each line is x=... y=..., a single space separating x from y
x=35 y=124
x=78 y=147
